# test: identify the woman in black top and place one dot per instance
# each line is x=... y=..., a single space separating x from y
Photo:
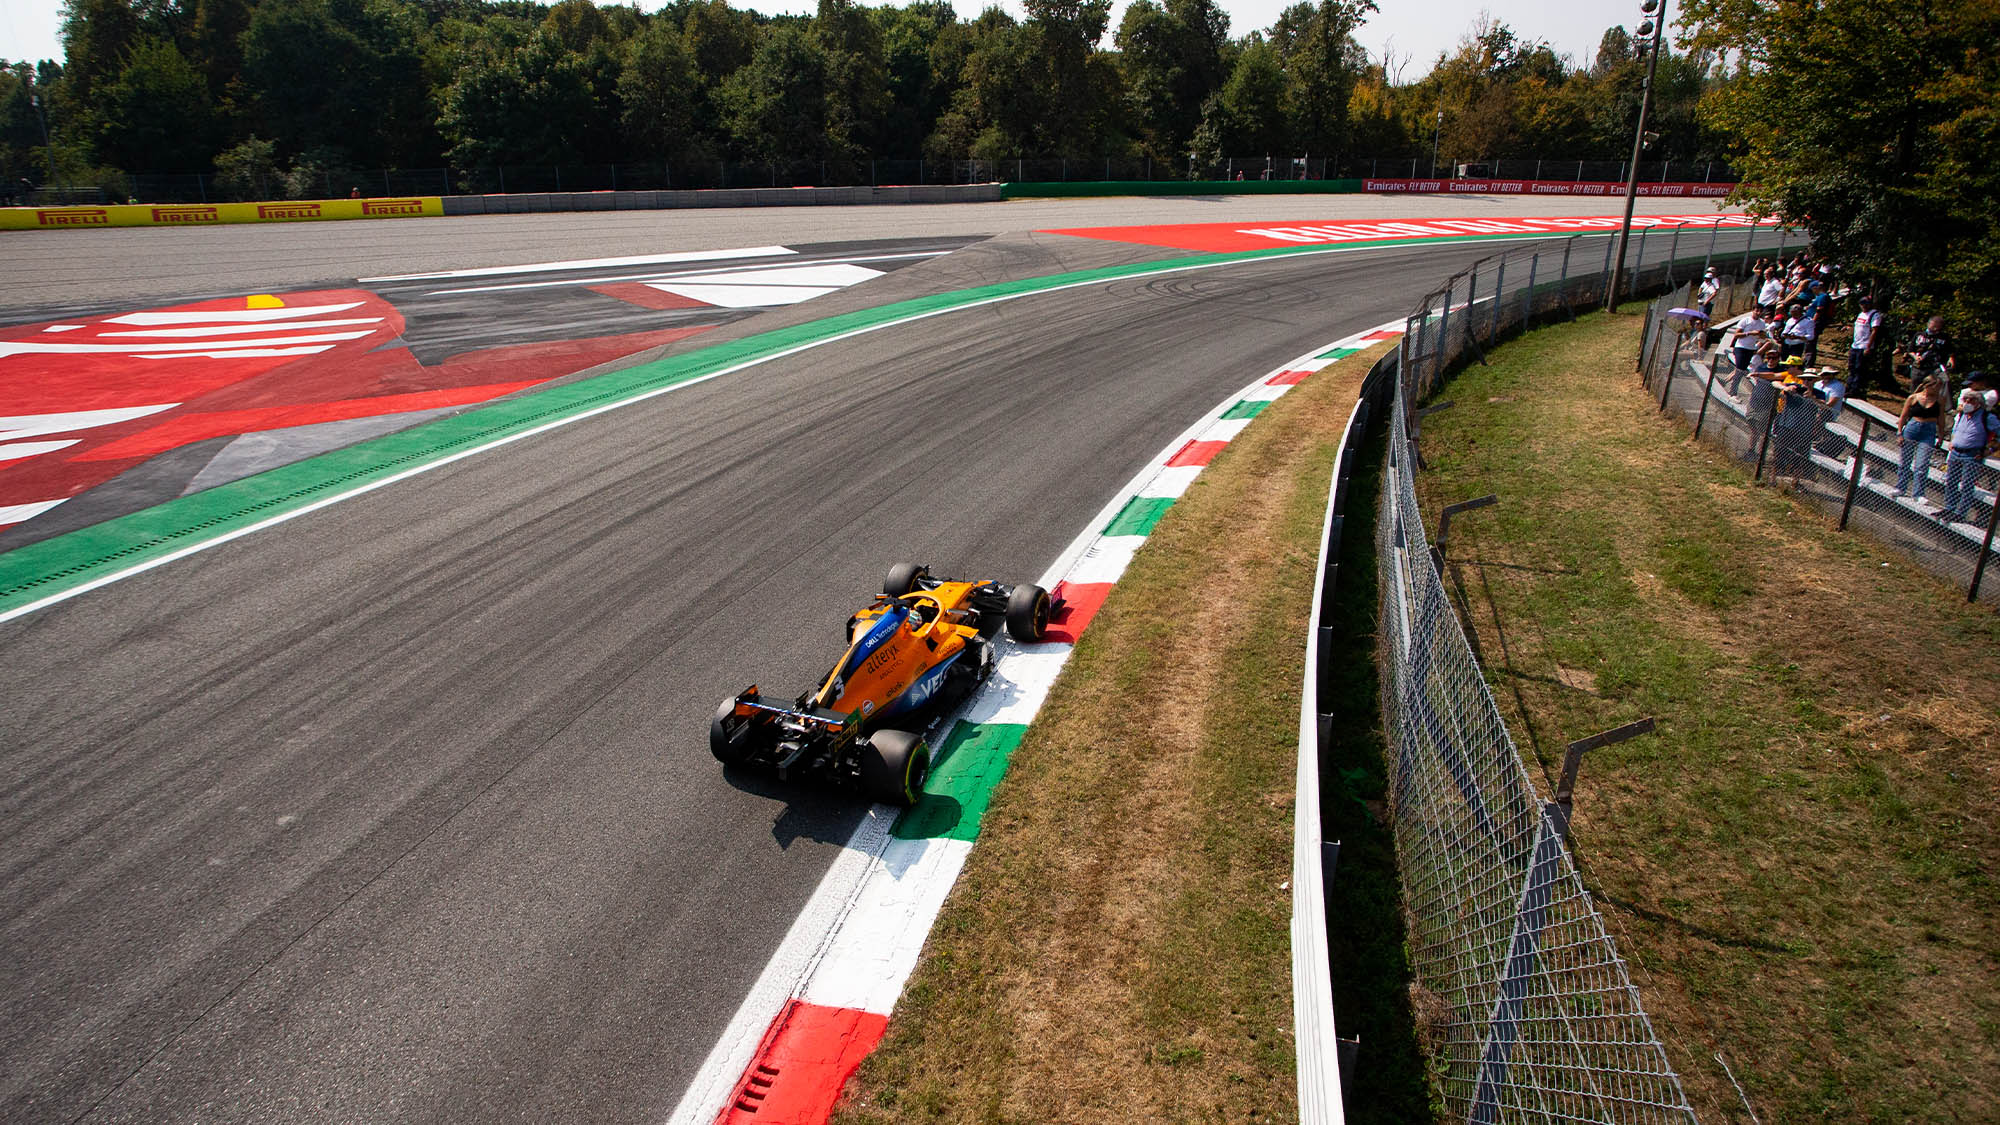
x=1918 y=427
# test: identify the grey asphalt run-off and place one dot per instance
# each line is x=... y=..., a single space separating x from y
x=403 y=811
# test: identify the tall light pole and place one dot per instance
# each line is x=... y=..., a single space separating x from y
x=1650 y=31
x=1435 y=130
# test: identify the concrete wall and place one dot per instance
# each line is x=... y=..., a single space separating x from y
x=727 y=197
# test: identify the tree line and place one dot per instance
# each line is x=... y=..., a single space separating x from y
x=302 y=86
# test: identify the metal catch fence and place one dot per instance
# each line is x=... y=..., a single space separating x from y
x=1538 y=1018
x=1849 y=459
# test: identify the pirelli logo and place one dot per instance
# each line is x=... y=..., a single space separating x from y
x=75 y=217
x=188 y=214
x=288 y=211
x=392 y=207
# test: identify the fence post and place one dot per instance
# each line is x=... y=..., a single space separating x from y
x=1639 y=267
x=1673 y=254
x=1770 y=423
x=1562 y=286
x=1985 y=549
x=1528 y=294
x=1708 y=259
x=1707 y=394
x=1499 y=283
x=1444 y=338
x=1854 y=475
x=1784 y=232
x=1673 y=362
x=1610 y=244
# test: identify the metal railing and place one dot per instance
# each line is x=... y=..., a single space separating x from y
x=1849 y=459
x=1536 y=1017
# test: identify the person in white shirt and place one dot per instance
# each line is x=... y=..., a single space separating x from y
x=1751 y=331
x=1802 y=335
x=1710 y=286
x=1861 y=351
x=1974 y=430
x=1773 y=291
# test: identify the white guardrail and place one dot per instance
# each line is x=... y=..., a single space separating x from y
x=1318 y=1042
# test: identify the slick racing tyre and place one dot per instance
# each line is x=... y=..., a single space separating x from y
x=902 y=579
x=1028 y=614
x=894 y=764
x=729 y=742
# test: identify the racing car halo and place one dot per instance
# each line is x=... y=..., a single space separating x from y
x=921 y=648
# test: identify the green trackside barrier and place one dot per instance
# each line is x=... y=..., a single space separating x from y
x=1057 y=190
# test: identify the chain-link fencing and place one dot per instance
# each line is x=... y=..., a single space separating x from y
x=1536 y=1016
x=1903 y=485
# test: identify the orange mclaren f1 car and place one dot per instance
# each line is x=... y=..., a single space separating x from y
x=912 y=656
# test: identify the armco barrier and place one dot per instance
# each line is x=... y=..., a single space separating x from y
x=216 y=214
x=1319 y=1048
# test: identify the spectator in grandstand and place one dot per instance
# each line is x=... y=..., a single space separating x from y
x=1802 y=335
x=1931 y=352
x=1918 y=428
x=1710 y=286
x=1752 y=332
x=1832 y=390
x=1773 y=290
x=1798 y=419
x=1767 y=374
x=1974 y=430
x=1861 y=349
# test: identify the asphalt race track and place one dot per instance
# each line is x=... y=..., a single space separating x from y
x=403 y=811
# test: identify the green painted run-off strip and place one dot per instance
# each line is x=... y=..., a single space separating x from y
x=1248 y=408
x=1138 y=516
x=964 y=773
x=1337 y=353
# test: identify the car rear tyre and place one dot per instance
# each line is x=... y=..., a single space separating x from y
x=1028 y=614
x=894 y=764
x=728 y=741
x=902 y=579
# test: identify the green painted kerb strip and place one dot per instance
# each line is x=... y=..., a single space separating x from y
x=1337 y=353
x=964 y=773
x=1248 y=408
x=1138 y=516
x=55 y=566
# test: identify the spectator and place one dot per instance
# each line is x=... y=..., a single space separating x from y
x=1861 y=350
x=1931 y=353
x=1802 y=335
x=1751 y=333
x=1773 y=291
x=1832 y=390
x=1766 y=372
x=1918 y=428
x=1798 y=418
x=1710 y=286
x=1974 y=430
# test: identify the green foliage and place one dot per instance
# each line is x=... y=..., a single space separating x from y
x=658 y=87
x=1874 y=127
x=416 y=83
x=517 y=104
x=248 y=170
x=156 y=114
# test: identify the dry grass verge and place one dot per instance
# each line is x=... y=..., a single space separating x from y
x=1801 y=863
x=1118 y=947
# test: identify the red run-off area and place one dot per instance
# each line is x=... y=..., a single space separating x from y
x=1232 y=237
x=89 y=399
